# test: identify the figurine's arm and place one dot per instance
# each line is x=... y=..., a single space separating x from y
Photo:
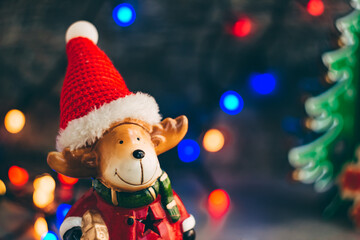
x=71 y=228
x=187 y=220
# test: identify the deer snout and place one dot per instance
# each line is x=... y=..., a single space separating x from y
x=139 y=154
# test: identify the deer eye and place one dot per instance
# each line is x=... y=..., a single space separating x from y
x=138 y=139
x=121 y=142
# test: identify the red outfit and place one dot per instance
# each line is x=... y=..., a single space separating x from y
x=148 y=223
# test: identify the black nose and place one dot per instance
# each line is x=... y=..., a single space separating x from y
x=138 y=154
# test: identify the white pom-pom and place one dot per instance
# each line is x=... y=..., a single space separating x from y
x=82 y=29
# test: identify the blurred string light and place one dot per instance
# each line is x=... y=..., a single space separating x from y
x=49 y=236
x=40 y=226
x=14 y=121
x=2 y=188
x=44 y=188
x=242 y=27
x=213 y=140
x=124 y=14
x=231 y=102
x=218 y=203
x=188 y=150
x=68 y=181
x=263 y=83
x=18 y=176
x=315 y=7
x=61 y=212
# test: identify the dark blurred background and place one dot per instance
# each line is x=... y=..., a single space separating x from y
x=186 y=54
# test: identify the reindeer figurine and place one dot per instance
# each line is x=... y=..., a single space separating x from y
x=114 y=136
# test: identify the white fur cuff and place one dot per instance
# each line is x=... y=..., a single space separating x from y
x=68 y=224
x=188 y=223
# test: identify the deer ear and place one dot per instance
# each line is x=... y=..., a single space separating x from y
x=80 y=163
x=169 y=133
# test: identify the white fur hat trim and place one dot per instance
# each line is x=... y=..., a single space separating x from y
x=87 y=129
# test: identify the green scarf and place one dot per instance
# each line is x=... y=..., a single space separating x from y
x=143 y=197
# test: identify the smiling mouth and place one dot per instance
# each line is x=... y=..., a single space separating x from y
x=142 y=176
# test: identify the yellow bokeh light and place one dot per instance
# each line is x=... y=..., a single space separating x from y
x=44 y=191
x=45 y=183
x=2 y=188
x=213 y=140
x=14 y=121
x=40 y=226
x=42 y=198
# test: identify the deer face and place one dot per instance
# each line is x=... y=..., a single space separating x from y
x=127 y=158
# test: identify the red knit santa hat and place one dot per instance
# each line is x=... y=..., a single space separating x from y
x=94 y=95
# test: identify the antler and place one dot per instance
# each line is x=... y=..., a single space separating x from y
x=169 y=133
x=78 y=163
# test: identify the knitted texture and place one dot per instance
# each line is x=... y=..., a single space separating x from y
x=94 y=96
x=91 y=81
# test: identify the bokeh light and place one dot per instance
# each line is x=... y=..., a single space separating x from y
x=40 y=226
x=218 y=203
x=61 y=212
x=2 y=188
x=42 y=199
x=14 y=121
x=124 y=14
x=188 y=150
x=44 y=191
x=213 y=140
x=46 y=183
x=242 y=27
x=231 y=102
x=49 y=236
x=315 y=7
x=67 y=180
x=263 y=83
x=18 y=176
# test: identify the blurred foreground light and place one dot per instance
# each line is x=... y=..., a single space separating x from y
x=242 y=27
x=44 y=191
x=14 y=121
x=188 y=150
x=61 y=212
x=213 y=140
x=2 y=188
x=18 y=176
x=124 y=14
x=49 y=236
x=231 y=102
x=42 y=199
x=263 y=83
x=40 y=226
x=218 y=203
x=67 y=180
x=315 y=7
x=45 y=183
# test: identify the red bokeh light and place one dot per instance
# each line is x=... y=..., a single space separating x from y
x=18 y=176
x=242 y=27
x=218 y=203
x=315 y=7
x=69 y=181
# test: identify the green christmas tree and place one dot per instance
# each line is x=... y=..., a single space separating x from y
x=335 y=113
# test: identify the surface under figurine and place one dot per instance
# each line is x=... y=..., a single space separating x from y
x=114 y=136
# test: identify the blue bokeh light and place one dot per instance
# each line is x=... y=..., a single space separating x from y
x=124 y=14
x=231 y=102
x=263 y=83
x=61 y=212
x=49 y=236
x=188 y=150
